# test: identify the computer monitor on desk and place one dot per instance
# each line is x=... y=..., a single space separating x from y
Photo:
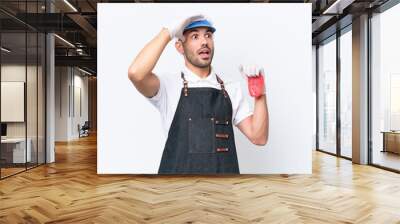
x=3 y=130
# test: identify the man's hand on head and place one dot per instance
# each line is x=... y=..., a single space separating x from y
x=175 y=29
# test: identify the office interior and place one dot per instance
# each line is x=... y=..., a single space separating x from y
x=49 y=93
x=46 y=82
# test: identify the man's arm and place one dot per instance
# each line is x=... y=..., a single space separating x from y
x=256 y=126
x=140 y=71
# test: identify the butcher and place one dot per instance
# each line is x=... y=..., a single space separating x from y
x=198 y=109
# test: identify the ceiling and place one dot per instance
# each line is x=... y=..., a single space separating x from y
x=76 y=22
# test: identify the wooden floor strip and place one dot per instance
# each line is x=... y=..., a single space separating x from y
x=70 y=191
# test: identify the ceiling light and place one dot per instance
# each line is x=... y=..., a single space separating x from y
x=70 y=5
x=65 y=41
x=337 y=7
x=84 y=71
x=5 y=50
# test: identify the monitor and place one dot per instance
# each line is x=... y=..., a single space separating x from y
x=3 y=129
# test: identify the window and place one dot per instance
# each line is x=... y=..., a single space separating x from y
x=327 y=96
x=385 y=88
x=346 y=94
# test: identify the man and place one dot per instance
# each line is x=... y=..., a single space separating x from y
x=196 y=106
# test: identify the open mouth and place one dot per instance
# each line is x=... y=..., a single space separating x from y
x=204 y=53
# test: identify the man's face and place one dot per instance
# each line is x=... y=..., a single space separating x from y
x=198 y=47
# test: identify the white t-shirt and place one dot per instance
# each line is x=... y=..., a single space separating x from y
x=167 y=98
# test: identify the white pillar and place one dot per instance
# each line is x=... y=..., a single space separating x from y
x=50 y=91
x=50 y=110
x=360 y=90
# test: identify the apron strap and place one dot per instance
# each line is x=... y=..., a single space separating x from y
x=185 y=84
x=222 y=86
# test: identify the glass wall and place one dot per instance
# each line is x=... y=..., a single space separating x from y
x=22 y=91
x=13 y=110
x=346 y=93
x=41 y=97
x=327 y=96
x=334 y=66
x=385 y=88
x=31 y=100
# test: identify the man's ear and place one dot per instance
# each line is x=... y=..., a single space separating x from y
x=179 y=46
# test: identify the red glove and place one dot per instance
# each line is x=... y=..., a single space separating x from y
x=255 y=79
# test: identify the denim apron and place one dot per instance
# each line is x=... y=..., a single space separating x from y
x=200 y=139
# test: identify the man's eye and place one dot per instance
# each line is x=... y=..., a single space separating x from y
x=195 y=36
x=208 y=35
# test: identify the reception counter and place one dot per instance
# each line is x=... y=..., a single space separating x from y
x=391 y=141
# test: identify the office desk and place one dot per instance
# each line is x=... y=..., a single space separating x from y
x=13 y=150
x=391 y=141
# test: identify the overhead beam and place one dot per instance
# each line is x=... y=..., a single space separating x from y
x=331 y=30
x=337 y=6
x=85 y=25
x=85 y=61
x=320 y=22
x=49 y=22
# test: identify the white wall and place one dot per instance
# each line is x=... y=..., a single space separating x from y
x=314 y=91
x=33 y=127
x=80 y=84
x=129 y=137
x=16 y=72
x=61 y=103
x=68 y=82
x=12 y=101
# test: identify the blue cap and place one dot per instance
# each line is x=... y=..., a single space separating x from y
x=199 y=23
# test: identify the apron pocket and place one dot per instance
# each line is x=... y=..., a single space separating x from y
x=201 y=135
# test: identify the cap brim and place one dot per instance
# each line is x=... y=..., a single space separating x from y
x=199 y=23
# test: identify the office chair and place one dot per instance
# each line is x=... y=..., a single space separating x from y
x=84 y=130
